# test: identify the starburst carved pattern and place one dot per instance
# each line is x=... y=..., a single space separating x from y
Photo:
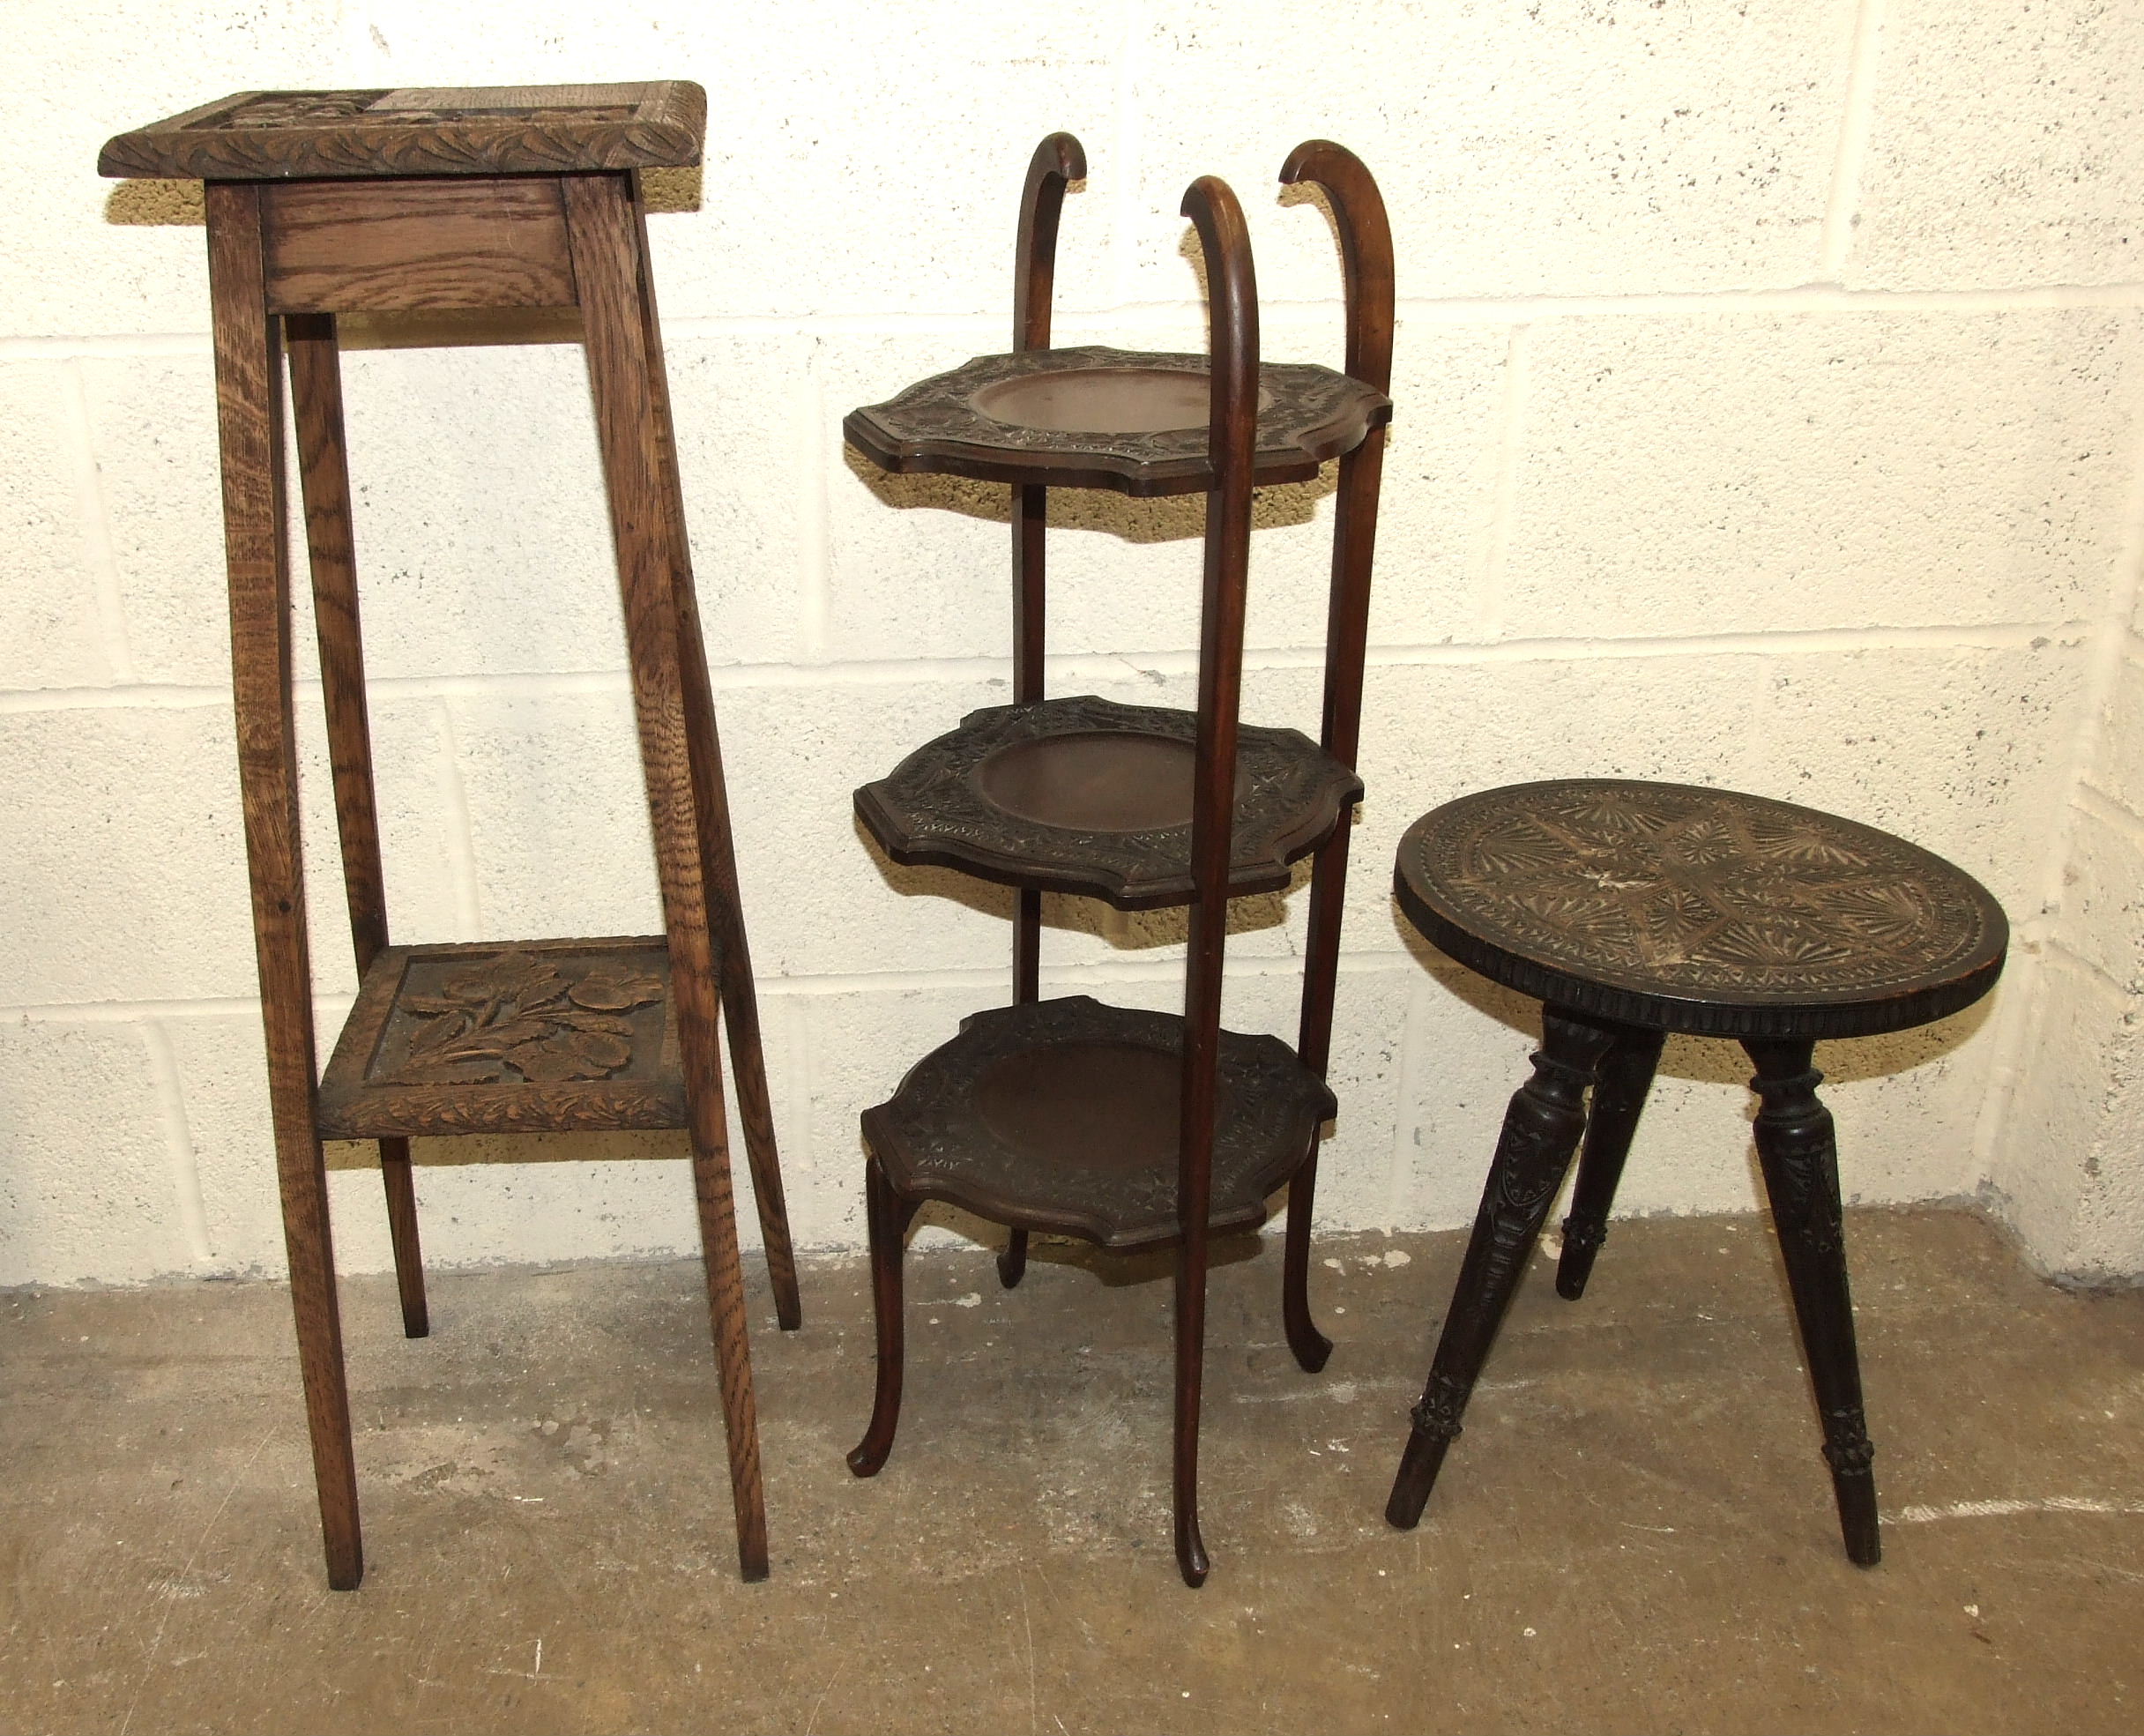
x=517 y=1015
x=1668 y=889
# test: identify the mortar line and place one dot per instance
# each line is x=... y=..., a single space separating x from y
x=93 y=518
x=178 y=1141
x=1841 y=208
x=332 y=1007
x=329 y=1008
x=1125 y=145
x=461 y=828
x=1450 y=309
x=815 y=539
x=1406 y=1092
x=1510 y=445
x=2110 y=810
x=2056 y=946
x=1099 y=666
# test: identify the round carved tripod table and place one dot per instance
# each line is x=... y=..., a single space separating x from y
x=1631 y=910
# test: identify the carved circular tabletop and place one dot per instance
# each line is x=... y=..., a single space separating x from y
x=1090 y=417
x=1698 y=910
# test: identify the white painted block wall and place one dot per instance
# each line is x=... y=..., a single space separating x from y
x=1768 y=379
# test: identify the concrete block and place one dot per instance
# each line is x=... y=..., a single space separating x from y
x=1957 y=748
x=2078 y=1069
x=49 y=632
x=133 y=850
x=1556 y=150
x=1750 y=473
x=2118 y=766
x=859 y=160
x=88 y=1194
x=493 y=554
x=152 y=428
x=2003 y=148
x=97 y=256
x=2103 y=896
x=223 y=1091
x=129 y=861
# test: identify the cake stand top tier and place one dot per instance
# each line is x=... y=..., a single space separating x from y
x=1098 y=418
x=487 y=129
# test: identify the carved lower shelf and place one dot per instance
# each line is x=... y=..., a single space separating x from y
x=1087 y=796
x=1062 y=1116
x=550 y=1036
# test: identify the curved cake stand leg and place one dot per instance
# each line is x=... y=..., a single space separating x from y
x=1366 y=249
x=1541 y=1130
x=1012 y=1259
x=1310 y=1346
x=1797 y=1148
x=889 y=1216
x=1618 y=1100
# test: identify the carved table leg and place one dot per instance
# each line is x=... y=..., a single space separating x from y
x=249 y=403
x=1796 y=1146
x=888 y=1216
x=1618 y=1100
x=323 y=472
x=1541 y=1130
x=710 y=801
x=600 y=217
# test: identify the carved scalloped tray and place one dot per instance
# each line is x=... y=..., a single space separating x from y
x=508 y=1037
x=1062 y=1116
x=492 y=129
x=1099 y=418
x=1087 y=796
x=1700 y=910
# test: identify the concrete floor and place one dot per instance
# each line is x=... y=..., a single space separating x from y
x=1634 y=1534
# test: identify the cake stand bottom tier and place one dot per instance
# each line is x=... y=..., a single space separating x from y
x=1062 y=1116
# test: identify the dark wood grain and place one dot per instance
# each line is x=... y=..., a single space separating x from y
x=934 y=427
x=601 y=221
x=1232 y=427
x=396 y=246
x=1365 y=252
x=1636 y=909
x=1002 y=1122
x=941 y=806
x=1700 y=910
x=323 y=469
x=248 y=400
x=1059 y=159
x=1541 y=1130
x=1619 y=1091
x=524 y=129
x=739 y=992
x=457 y=1038
x=888 y=1216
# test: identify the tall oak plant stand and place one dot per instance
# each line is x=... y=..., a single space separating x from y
x=328 y=202
x=1129 y=1128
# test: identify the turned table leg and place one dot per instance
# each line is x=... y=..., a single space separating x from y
x=1541 y=1130
x=1799 y=1156
x=1618 y=1098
